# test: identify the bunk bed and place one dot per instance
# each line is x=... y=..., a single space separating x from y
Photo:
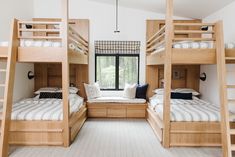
x=60 y=44
x=186 y=44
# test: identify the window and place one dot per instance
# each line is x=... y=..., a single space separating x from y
x=114 y=70
x=116 y=63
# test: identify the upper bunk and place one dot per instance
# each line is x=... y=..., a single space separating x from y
x=193 y=42
x=45 y=40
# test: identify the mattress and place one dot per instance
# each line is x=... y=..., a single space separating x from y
x=44 y=109
x=195 y=110
x=117 y=100
x=191 y=113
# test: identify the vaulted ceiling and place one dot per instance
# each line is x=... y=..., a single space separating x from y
x=187 y=8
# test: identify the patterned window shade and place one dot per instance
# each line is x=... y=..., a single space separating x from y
x=117 y=47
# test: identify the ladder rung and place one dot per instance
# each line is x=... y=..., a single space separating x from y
x=2 y=85
x=1 y=100
x=230 y=58
x=230 y=86
x=233 y=147
x=232 y=131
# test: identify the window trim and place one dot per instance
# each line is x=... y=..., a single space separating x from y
x=117 y=68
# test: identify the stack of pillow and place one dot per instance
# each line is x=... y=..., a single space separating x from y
x=179 y=93
x=53 y=92
x=131 y=91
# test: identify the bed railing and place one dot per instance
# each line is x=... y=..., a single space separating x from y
x=156 y=41
x=31 y=31
x=76 y=39
x=188 y=32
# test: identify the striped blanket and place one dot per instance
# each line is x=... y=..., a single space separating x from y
x=191 y=113
x=195 y=110
x=44 y=109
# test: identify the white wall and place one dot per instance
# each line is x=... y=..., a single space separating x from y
x=22 y=9
x=209 y=88
x=102 y=24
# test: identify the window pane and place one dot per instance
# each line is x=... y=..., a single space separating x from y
x=105 y=71
x=128 y=70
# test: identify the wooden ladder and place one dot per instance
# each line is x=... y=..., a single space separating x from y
x=226 y=131
x=7 y=100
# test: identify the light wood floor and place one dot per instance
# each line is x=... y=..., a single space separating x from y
x=115 y=138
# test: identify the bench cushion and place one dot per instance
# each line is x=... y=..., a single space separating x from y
x=117 y=100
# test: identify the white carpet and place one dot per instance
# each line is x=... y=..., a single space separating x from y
x=115 y=138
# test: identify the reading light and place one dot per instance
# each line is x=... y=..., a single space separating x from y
x=30 y=75
x=203 y=76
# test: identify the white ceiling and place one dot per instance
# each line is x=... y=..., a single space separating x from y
x=186 y=8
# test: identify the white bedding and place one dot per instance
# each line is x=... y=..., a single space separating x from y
x=44 y=109
x=195 y=110
x=117 y=100
x=41 y=43
x=230 y=45
x=189 y=45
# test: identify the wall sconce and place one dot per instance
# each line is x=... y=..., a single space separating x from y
x=204 y=28
x=30 y=75
x=203 y=76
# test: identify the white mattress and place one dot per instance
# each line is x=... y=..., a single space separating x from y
x=195 y=110
x=44 y=109
x=117 y=100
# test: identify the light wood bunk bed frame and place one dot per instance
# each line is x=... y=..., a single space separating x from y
x=58 y=133
x=165 y=33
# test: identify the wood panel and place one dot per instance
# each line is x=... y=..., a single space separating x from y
x=50 y=75
x=116 y=110
x=189 y=79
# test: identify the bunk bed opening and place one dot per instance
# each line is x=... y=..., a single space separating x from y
x=193 y=42
x=39 y=120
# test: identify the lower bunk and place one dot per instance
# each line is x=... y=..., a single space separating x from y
x=116 y=107
x=193 y=122
x=40 y=121
x=187 y=133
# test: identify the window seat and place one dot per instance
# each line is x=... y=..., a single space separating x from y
x=116 y=107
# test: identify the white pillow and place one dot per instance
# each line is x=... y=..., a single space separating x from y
x=47 y=89
x=130 y=91
x=187 y=90
x=92 y=90
x=159 y=91
x=73 y=90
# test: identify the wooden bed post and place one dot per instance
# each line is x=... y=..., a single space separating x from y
x=65 y=73
x=221 y=72
x=8 y=93
x=167 y=72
